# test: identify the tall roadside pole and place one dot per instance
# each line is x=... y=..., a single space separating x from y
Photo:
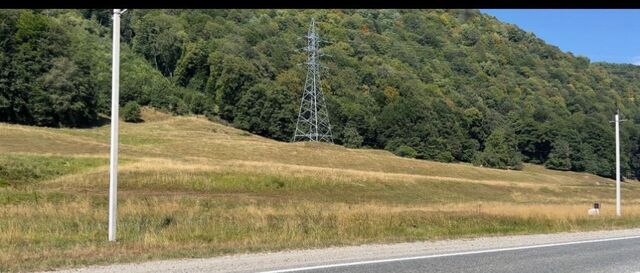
x=115 y=100
x=617 y=121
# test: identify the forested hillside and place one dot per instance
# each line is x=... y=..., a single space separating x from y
x=452 y=85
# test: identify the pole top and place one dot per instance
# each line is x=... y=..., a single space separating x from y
x=312 y=28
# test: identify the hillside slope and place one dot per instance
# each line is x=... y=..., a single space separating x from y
x=189 y=187
x=446 y=85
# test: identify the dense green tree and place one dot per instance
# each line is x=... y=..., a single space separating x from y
x=159 y=37
x=266 y=109
x=192 y=68
x=235 y=76
x=560 y=156
x=40 y=85
x=500 y=151
x=131 y=112
x=102 y=16
x=65 y=97
x=352 y=138
x=406 y=151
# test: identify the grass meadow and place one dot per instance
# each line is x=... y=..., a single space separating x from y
x=189 y=187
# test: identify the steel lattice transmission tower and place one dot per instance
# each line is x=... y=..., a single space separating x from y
x=313 y=118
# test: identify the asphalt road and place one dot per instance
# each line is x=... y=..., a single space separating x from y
x=619 y=256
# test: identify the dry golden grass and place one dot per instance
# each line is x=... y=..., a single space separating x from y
x=190 y=187
x=186 y=138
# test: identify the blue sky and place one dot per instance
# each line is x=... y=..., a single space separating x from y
x=601 y=35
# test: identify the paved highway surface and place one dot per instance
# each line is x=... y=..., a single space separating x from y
x=618 y=256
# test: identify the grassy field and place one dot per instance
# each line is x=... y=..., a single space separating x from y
x=193 y=188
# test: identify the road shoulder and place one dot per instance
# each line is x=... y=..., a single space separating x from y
x=259 y=262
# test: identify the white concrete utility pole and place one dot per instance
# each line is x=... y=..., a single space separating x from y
x=617 y=120
x=115 y=99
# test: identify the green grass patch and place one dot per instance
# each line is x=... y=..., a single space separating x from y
x=10 y=196
x=317 y=188
x=18 y=170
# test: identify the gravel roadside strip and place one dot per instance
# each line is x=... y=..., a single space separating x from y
x=297 y=258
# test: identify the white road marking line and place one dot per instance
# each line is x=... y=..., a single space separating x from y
x=449 y=254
